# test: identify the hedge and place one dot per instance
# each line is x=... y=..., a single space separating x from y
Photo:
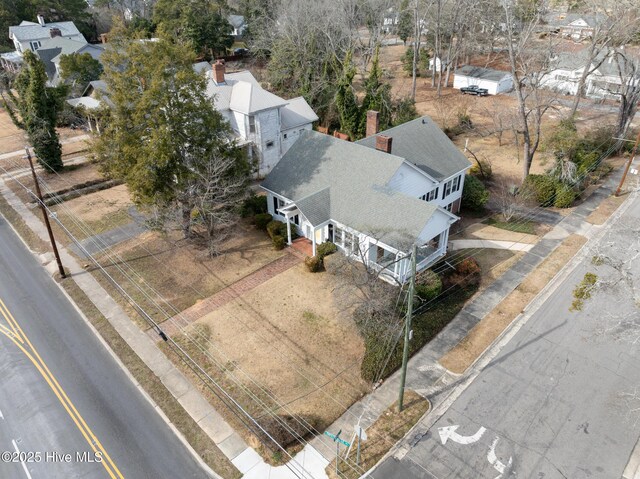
x=474 y=194
x=261 y=220
x=565 y=196
x=542 y=188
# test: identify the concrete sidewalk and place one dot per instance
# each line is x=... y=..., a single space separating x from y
x=66 y=141
x=489 y=244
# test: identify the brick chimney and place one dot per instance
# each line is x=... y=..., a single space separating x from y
x=55 y=32
x=41 y=20
x=383 y=143
x=218 y=72
x=373 y=123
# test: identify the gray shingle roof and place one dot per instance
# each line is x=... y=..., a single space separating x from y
x=46 y=55
x=95 y=51
x=28 y=31
x=422 y=143
x=296 y=113
x=236 y=21
x=482 y=73
x=577 y=60
x=353 y=179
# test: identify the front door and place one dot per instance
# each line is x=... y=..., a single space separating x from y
x=330 y=234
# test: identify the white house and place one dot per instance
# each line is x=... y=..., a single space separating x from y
x=31 y=36
x=238 y=23
x=577 y=26
x=51 y=51
x=567 y=68
x=495 y=81
x=266 y=123
x=373 y=198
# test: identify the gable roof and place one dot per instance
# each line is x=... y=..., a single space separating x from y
x=46 y=55
x=236 y=21
x=224 y=90
x=28 y=31
x=317 y=174
x=422 y=143
x=94 y=50
x=482 y=73
x=573 y=61
x=566 y=19
x=249 y=98
x=296 y=113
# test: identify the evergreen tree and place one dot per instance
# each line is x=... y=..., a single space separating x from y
x=166 y=140
x=346 y=101
x=78 y=70
x=377 y=96
x=35 y=110
x=405 y=21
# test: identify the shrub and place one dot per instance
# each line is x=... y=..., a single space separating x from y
x=326 y=249
x=254 y=205
x=565 y=196
x=261 y=220
x=277 y=228
x=541 y=187
x=474 y=194
x=428 y=285
x=467 y=274
x=482 y=168
x=285 y=429
x=279 y=242
x=313 y=263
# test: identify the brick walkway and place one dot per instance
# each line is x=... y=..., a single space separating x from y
x=228 y=294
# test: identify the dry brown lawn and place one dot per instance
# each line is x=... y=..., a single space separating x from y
x=459 y=358
x=605 y=209
x=288 y=335
x=487 y=232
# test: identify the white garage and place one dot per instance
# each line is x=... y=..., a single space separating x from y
x=495 y=81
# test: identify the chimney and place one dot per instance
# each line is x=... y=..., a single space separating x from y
x=55 y=32
x=41 y=20
x=218 y=72
x=373 y=123
x=383 y=143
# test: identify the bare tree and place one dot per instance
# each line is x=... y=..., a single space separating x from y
x=529 y=65
x=611 y=30
x=628 y=67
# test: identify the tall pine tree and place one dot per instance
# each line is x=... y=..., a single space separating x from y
x=346 y=100
x=377 y=96
x=35 y=110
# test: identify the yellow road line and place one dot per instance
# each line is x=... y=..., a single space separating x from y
x=13 y=324
x=19 y=338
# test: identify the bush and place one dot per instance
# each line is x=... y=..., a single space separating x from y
x=314 y=263
x=467 y=274
x=276 y=228
x=474 y=194
x=565 y=196
x=285 y=429
x=541 y=187
x=279 y=242
x=428 y=285
x=326 y=249
x=482 y=168
x=254 y=205
x=261 y=220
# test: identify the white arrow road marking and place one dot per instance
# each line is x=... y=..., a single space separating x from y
x=449 y=432
x=493 y=459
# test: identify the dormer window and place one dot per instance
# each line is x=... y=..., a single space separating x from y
x=35 y=45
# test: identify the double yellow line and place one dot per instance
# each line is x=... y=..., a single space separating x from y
x=14 y=332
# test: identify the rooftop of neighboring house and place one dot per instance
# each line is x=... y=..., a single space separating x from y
x=572 y=61
x=328 y=178
x=241 y=92
x=236 y=21
x=423 y=144
x=30 y=31
x=482 y=73
x=558 y=19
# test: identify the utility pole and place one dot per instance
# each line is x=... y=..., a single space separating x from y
x=45 y=215
x=628 y=165
x=407 y=327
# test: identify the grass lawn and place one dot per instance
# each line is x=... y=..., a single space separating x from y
x=517 y=226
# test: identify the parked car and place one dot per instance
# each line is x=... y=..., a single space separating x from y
x=240 y=52
x=474 y=90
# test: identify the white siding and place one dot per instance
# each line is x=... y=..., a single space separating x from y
x=493 y=87
x=289 y=137
x=268 y=132
x=410 y=182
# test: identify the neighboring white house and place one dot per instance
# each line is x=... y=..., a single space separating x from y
x=31 y=36
x=260 y=119
x=602 y=82
x=238 y=24
x=495 y=81
x=576 y=26
x=373 y=198
x=51 y=52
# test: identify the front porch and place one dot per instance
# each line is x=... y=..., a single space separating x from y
x=303 y=246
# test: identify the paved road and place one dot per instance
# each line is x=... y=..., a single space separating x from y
x=61 y=392
x=562 y=399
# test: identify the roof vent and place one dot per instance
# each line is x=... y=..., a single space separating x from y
x=424 y=121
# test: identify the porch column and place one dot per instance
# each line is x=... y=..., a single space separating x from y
x=314 y=240
x=288 y=229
